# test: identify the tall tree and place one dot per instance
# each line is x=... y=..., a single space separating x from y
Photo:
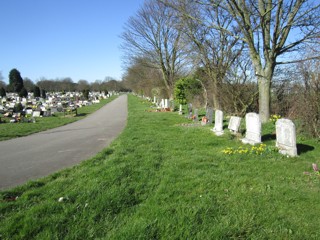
x=23 y=92
x=43 y=93
x=3 y=84
x=96 y=86
x=144 y=80
x=211 y=49
x=83 y=85
x=28 y=84
x=36 y=91
x=2 y=92
x=272 y=28
x=15 y=80
x=153 y=34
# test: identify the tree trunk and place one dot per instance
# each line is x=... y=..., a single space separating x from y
x=216 y=99
x=264 y=82
x=264 y=98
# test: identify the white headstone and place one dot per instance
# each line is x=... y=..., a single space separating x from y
x=253 y=129
x=36 y=114
x=180 y=109
x=162 y=103
x=29 y=111
x=234 y=124
x=286 y=137
x=218 y=123
x=166 y=103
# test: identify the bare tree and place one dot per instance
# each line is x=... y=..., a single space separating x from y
x=47 y=85
x=96 y=86
x=153 y=34
x=3 y=84
x=144 y=80
x=83 y=85
x=67 y=84
x=271 y=29
x=212 y=49
x=28 y=84
x=1 y=77
x=240 y=91
x=310 y=113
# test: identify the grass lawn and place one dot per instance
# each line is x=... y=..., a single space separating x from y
x=12 y=130
x=163 y=180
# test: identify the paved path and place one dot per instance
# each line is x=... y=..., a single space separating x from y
x=40 y=154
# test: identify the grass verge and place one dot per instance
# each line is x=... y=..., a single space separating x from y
x=13 y=130
x=162 y=180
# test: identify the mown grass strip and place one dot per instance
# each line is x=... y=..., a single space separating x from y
x=13 y=130
x=161 y=180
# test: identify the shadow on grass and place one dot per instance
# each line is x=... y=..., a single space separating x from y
x=82 y=114
x=268 y=137
x=303 y=148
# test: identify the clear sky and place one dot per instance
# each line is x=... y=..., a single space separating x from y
x=63 y=38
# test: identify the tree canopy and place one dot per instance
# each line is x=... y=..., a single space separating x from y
x=15 y=80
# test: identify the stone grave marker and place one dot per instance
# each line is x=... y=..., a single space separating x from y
x=218 y=123
x=46 y=113
x=209 y=115
x=36 y=114
x=162 y=103
x=190 y=110
x=196 y=115
x=166 y=103
x=253 y=129
x=29 y=111
x=180 y=109
x=286 y=137
x=234 y=124
x=54 y=109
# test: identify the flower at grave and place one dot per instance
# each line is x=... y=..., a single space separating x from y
x=257 y=150
x=204 y=119
x=316 y=171
x=274 y=118
x=315 y=167
x=228 y=151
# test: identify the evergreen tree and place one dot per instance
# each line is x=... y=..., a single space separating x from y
x=15 y=80
x=2 y=92
x=18 y=108
x=23 y=92
x=85 y=93
x=36 y=91
x=43 y=93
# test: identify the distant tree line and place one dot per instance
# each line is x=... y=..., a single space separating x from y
x=22 y=86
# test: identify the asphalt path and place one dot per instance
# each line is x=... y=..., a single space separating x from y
x=38 y=155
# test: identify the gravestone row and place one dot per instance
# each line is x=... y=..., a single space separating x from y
x=285 y=131
x=285 y=128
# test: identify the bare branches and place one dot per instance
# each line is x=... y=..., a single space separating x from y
x=154 y=33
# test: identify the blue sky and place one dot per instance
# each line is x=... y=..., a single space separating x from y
x=63 y=38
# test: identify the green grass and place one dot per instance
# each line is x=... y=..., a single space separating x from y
x=13 y=130
x=161 y=180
